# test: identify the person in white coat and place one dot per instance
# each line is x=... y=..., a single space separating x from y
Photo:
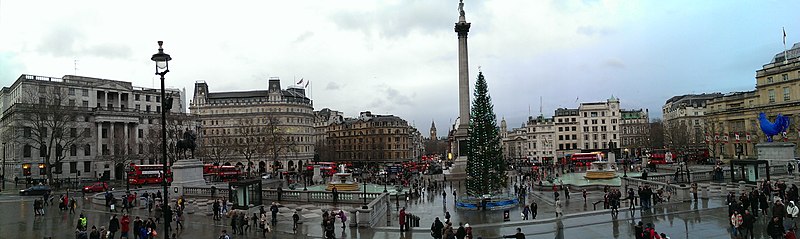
x=558 y=208
x=791 y=213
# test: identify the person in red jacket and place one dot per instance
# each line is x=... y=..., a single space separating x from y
x=124 y=226
x=403 y=219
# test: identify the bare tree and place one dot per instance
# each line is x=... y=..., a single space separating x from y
x=248 y=139
x=215 y=150
x=677 y=137
x=276 y=140
x=45 y=121
x=176 y=125
x=657 y=134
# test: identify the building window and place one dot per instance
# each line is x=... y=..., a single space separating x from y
x=26 y=151
x=105 y=133
x=73 y=132
x=87 y=166
x=87 y=150
x=158 y=109
x=147 y=98
x=785 y=77
x=771 y=94
x=140 y=133
x=71 y=91
x=147 y=109
x=560 y=137
x=73 y=167
x=786 y=92
x=85 y=92
x=136 y=97
x=73 y=150
x=769 y=79
x=26 y=132
x=575 y=145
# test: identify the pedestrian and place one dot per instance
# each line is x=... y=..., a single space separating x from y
x=791 y=213
x=215 y=210
x=81 y=222
x=444 y=197
x=94 y=234
x=274 y=210
x=534 y=209
x=775 y=228
x=446 y=216
x=584 y=196
x=558 y=208
x=517 y=235
x=296 y=219
x=566 y=191
x=242 y=222
x=179 y=220
x=461 y=233
x=158 y=212
x=125 y=224
x=264 y=225
x=225 y=206
x=747 y=224
x=113 y=226
x=224 y=235
x=343 y=217
x=72 y=205
x=234 y=218
x=638 y=230
x=736 y=222
x=335 y=193
x=525 y=211
x=402 y=218
x=436 y=228
x=254 y=221
x=469 y=230
x=137 y=226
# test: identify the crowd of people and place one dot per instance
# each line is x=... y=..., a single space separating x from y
x=772 y=201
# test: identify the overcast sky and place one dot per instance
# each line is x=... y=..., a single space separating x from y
x=400 y=57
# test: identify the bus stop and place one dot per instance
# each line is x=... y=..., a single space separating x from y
x=245 y=194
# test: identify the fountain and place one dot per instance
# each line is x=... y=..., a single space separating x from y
x=602 y=169
x=342 y=181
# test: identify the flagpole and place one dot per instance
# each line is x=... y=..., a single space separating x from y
x=785 y=57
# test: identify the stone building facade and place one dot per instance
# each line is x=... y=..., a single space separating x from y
x=371 y=138
x=261 y=130
x=113 y=124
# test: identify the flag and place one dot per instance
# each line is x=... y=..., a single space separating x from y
x=300 y=82
x=716 y=137
x=748 y=137
x=306 y=86
x=784 y=36
x=785 y=137
x=737 y=137
x=708 y=138
x=725 y=137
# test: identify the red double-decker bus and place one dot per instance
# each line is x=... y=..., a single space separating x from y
x=147 y=174
x=222 y=173
x=585 y=159
x=325 y=168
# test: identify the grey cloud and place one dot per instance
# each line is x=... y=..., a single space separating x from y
x=68 y=42
x=396 y=97
x=614 y=63
x=397 y=21
x=333 y=86
x=303 y=37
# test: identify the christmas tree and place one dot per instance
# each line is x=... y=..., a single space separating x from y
x=486 y=168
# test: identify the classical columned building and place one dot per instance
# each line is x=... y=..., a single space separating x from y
x=103 y=125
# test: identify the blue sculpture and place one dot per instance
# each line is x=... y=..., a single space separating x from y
x=769 y=128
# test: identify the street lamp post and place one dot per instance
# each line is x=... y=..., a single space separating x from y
x=162 y=68
x=365 y=193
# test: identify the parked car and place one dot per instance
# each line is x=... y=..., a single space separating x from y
x=97 y=187
x=35 y=190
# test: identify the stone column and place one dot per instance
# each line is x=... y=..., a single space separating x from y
x=99 y=138
x=704 y=194
x=119 y=100
x=125 y=140
x=111 y=139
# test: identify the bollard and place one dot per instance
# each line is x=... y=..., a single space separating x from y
x=704 y=195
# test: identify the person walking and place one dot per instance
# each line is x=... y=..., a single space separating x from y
x=343 y=217
x=736 y=223
x=534 y=209
x=274 y=210
x=224 y=235
x=234 y=218
x=113 y=226
x=525 y=211
x=242 y=222
x=436 y=228
x=138 y=224
x=179 y=220
x=264 y=225
x=215 y=210
x=748 y=220
x=775 y=228
x=296 y=219
x=558 y=208
x=791 y=214
x=402 y=218
x=254 y=221
x=125 y=225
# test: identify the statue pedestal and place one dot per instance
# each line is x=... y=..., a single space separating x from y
x=778 y=153
x=186 y=172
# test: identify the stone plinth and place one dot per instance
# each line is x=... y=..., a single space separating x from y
x=778 y=153
x=187 y=172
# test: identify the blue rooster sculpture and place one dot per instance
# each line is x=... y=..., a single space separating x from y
x=770 y=128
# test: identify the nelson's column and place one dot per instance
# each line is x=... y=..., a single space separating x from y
x=458 y=144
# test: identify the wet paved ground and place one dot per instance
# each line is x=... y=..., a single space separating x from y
x=706 y=219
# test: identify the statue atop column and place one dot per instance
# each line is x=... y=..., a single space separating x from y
x=461 y=7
